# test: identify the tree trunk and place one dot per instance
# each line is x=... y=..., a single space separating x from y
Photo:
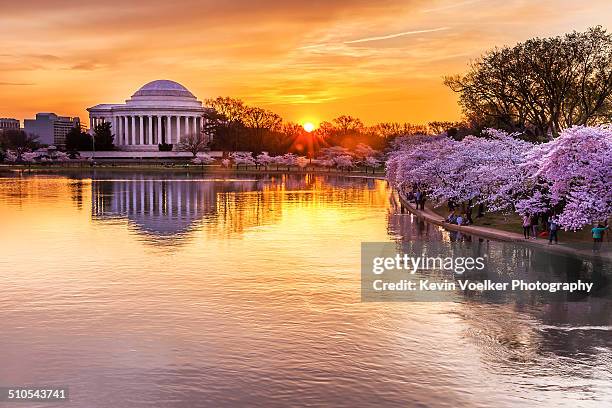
x=481 y=209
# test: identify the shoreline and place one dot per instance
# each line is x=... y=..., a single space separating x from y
x=193 y=168
x=499 y=235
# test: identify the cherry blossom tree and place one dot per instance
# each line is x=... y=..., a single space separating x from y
x=58 y=156
x=243 y=158
x=324 y=163
x=569 y=176
x=30 y=157
x=577 y=168
x=344 y=162
x=288 y=160
x=372 y=163
x=264 y=159
x=301 y=162
x=366 y=156
x=330 y=153
x=10 y=156
x=363 y=151
x=194 y=143
x=203 y=159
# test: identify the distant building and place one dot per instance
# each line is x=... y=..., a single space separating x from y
x=8 y=123
x=50 y=128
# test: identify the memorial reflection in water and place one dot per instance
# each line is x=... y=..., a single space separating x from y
x=172 y=207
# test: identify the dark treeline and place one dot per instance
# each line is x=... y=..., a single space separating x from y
x=18 y=141
x=77 y=140
x=234 y=126
x=541 y=86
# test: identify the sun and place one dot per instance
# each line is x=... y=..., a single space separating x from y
x=309 y=127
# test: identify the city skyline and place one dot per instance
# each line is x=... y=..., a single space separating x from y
x=308 y=62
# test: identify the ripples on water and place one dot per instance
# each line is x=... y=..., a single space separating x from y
x=165 y=290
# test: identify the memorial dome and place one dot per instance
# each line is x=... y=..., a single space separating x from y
x=163 y=87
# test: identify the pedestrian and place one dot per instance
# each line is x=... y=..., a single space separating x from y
x=423 y=198
x=534 y=227
x=459 y=219
x=468 y=217
x=553 y=229
x=526 y=226
x=417 y=198
x=598 y=233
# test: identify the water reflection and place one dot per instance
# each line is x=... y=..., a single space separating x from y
x=161 y=208
x=559 y=343
x=157 y=207
x=260 y=305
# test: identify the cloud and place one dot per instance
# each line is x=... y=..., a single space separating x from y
x=390 y=36
x=451 y=6
x=15 y=84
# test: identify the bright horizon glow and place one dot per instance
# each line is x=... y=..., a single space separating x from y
x=309 y=127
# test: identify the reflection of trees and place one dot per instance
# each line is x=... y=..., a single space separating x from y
x=76 y=192
x=160 y=207
x=265 y=203
x=408 y=227
x=529 y=328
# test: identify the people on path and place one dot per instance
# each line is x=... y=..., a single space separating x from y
x=417 y=198
x=423 y=199
x=598 y=233
x=534 y=227
x=410 y=196
x=553 y=229
x=526 y=226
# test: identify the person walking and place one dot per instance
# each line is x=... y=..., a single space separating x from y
x=417 y=198
x=423 y=198
x=553 y=228
x=534 y=227
x=526 y=226
x=598 y=233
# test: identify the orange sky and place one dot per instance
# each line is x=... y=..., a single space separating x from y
x=306 y=60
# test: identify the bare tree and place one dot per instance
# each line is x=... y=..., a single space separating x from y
x=260 y=121
x=228 y=116
x=541 y=86
x=194 y=143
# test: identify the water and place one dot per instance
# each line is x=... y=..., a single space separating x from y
x=164 y=290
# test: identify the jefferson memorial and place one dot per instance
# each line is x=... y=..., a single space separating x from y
x=161 y=111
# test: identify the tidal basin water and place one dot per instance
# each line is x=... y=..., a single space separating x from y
x=169 y=290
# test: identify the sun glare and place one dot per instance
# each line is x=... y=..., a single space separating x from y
x=309 y=127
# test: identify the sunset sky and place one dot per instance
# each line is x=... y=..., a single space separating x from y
x=306 y=60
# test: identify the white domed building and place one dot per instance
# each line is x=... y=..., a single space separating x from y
x=161 y=111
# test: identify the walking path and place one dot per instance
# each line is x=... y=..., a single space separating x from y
x=430 y=216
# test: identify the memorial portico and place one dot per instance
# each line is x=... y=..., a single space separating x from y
x=161 y=111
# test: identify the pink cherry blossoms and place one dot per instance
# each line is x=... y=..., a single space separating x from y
x=568 y=178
